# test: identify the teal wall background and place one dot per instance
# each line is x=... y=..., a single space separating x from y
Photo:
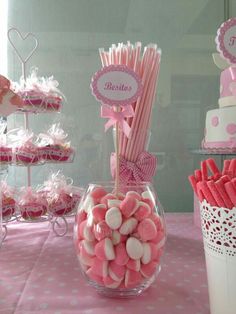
x=70 y=33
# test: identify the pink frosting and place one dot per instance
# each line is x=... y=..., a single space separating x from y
x=227 y=82
x=215 y=121
x=231 y=128
x=231 y=144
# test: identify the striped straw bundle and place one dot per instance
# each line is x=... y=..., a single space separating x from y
x=219 y=188
x=147 y=66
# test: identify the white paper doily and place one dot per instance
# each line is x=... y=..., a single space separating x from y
x=219 y=229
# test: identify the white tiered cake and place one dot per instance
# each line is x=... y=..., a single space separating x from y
x=220 y=125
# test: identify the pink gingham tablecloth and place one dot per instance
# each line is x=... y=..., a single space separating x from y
x=39 y=274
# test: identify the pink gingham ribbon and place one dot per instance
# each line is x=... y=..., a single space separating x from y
x=142 y=170
x=114 y=116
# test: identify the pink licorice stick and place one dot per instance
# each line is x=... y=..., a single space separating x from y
x=231 y=191
x=216 y=176
x=212 y=166
x=232 y=167
x=214 y=191
x=198 y=175
x=225 y=179
x=204 y=170
x=221 y=189
x=226 y=166
x=193 y=183
x=234 y=182
x=202 y=187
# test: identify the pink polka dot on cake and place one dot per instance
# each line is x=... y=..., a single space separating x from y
x=231 y=128
x=215 y=121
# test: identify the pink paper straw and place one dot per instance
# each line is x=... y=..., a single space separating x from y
x=141 y=110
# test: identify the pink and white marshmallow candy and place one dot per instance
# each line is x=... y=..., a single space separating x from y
x=149 y=252
x=104 y=250
x=99 y=267
x=115 y=271
x=143 y=211
x=117 y=237
x=132 y=278
x=128 y=226
x=104 y=200
x=113 y=218
x=147 y=230
x=113 y=203
x=134 y=264
x=110 y=283
x=121 y=254
x=149 y=269
x=102 y=230
x=87 y=247
x=134 y=248
x=85 y=231
x=134 y=194
x=94 y=277
x=98 y=193
x=128 y=206
x=99 y=212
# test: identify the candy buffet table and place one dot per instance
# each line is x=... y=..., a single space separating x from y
x=39 y=274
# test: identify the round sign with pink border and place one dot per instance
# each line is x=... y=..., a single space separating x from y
x=226 y=40
x=116 y=85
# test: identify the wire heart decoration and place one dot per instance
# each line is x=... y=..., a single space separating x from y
x=23 y=37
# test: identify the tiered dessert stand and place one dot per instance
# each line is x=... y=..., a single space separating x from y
x=58 y=222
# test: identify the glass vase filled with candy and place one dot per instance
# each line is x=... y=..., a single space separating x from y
x=119 y=231
x=120 y=237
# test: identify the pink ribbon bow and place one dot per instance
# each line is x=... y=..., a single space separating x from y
x=142 y=170
x=117 y=116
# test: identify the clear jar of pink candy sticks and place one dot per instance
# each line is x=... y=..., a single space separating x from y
x=119 y=238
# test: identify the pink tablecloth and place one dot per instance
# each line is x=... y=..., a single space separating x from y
x=39 y=274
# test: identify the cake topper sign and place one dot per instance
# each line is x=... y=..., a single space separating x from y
x=226 y=40
x=116 y=85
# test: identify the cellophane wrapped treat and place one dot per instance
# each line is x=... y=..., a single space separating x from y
x=53 y=145
x=39 y=93
x=62 y=196
x=8 y=196
x=5 y=149
x=32 y=205
x=25 y=151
